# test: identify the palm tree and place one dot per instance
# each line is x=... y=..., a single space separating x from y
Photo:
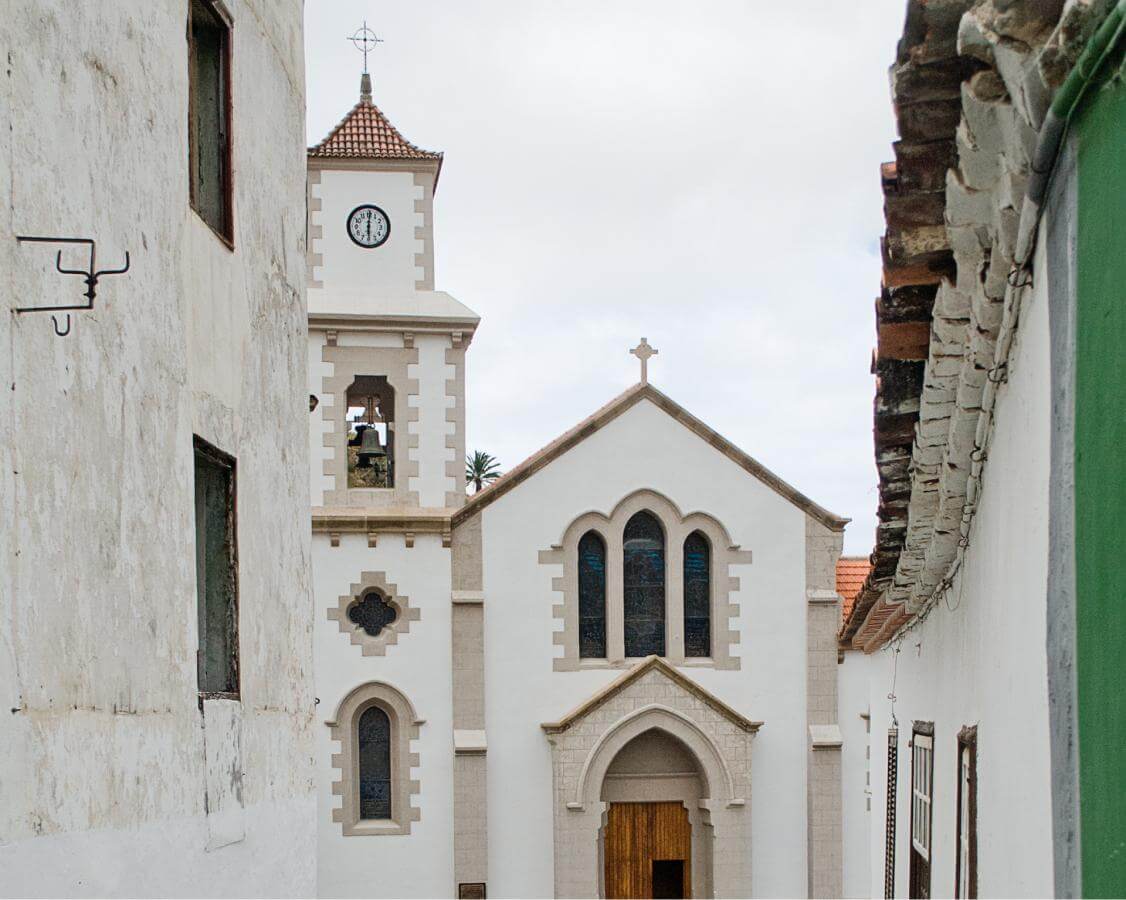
x=481 y=469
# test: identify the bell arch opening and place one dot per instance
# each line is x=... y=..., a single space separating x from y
x=655 y=837
x=370 y=419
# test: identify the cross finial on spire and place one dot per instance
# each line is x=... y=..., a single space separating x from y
x=365 y=40
x=643 y=351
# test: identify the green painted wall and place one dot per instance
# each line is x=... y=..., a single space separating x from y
x=1100 y=485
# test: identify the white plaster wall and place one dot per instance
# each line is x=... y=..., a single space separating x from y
x=350 y=273
x=419 y=665
x=431 y=371
x=980 y=660
x=643 y=448
x=859 y=878
x=102 y=768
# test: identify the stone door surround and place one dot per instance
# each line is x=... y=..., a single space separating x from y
x=586 y=741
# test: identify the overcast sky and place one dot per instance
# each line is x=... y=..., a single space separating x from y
x=704 y=174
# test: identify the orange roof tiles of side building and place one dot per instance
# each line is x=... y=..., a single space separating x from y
x=851 y=572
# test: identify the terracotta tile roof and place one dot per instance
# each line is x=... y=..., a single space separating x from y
x=365 y=133
x=851 y=572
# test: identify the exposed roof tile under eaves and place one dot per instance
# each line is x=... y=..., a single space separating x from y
x=851 y=572
x=365 y=133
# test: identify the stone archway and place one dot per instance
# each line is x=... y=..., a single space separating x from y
x=652 y=791
x=587 y=758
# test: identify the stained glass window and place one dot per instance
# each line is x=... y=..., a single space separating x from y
x=644 y=594
x=372 y=613
x=592 y=596
x=375 y=764
x=697 y=596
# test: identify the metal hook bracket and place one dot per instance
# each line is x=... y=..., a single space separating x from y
x=90 y=276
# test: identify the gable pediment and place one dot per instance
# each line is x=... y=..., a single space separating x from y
x=649 y=669
x=611 y=411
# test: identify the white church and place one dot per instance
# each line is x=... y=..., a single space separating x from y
x=611 y=673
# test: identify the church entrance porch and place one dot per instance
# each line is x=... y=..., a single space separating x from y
x=646 y=802
x=648 y=850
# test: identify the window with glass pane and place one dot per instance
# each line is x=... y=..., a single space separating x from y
x=644 y=594
x=592 y=596
x=374 y=735
x=216 y=560
x=697 y=596
x=209 y=113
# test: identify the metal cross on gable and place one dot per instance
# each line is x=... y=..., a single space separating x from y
x=643 y=352
x=365 y=40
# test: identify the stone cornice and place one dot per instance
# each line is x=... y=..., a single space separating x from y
x=392 y=520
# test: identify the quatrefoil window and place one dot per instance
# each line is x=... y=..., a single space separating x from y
x=372 y=613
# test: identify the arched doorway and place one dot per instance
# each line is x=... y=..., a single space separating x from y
x=654 y=840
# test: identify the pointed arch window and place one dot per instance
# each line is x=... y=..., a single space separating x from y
x=697 y=595
x=374 y=736
x=592 y=596
x=644 y=585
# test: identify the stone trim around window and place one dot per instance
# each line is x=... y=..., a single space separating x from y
x=677 y=527
x=404 y=790
x=391 y=362
x=375 y=645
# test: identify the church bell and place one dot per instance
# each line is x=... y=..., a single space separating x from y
x=370 y=448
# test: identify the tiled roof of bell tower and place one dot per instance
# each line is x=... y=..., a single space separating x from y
x=366 y=133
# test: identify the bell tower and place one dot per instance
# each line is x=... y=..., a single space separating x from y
x=386 y=350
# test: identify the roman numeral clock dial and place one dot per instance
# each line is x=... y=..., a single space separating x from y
x=368 y=226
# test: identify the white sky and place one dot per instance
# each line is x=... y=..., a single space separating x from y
x=704 y=174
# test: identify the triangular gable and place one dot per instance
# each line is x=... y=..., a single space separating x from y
x=627 y=678
x=607 y=414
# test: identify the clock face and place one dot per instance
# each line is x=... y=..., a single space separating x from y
x=368 y=226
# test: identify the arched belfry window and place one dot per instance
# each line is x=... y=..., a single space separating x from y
x=370 y=413
x=697 y=595
x=374 y=737
x=592 y=596
x=644 y=585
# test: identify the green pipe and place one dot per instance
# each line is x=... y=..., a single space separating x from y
x=1067 y=99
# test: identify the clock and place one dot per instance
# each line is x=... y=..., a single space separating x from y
x=368 y=226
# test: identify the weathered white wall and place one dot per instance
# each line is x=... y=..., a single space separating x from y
x=419 y=864
x=643 y=448
x=860 y=879
x=979 y=659
x=103 y=783
x=350 y=273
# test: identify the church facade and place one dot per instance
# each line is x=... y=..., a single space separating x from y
x=611 y=673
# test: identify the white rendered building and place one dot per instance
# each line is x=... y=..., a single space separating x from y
x=156 y=649
x=632 y=632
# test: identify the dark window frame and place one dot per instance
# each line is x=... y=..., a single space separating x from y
x=691 y=652
x=631 y=571
x=967 y=742
x=213 y=456
x=919 y=873
x=224 y=230
x=388 y=717
x=588 y=648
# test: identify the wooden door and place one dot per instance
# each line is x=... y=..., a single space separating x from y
x=639 y=835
